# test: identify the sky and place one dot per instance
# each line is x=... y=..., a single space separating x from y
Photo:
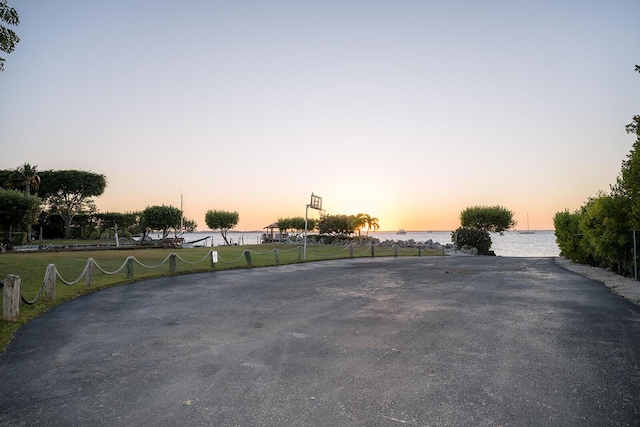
x=409 y=111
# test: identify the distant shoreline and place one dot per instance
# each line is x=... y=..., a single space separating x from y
x=370 y=232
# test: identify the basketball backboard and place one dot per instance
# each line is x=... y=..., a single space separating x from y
x=316 y=202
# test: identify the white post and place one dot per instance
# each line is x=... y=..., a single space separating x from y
x=306 y=220
x=455 y=244
x=316 y=203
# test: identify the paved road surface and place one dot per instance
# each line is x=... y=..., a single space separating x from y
x=446 y=341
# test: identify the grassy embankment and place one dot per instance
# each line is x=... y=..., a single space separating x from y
x=31 y=268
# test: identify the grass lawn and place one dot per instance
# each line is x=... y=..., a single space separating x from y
x=31 y=268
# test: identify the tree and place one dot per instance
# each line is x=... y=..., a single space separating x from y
x=4 y=178
x=343 y=225
x=284 y=224
x=68 y=193
x=606 y=233
x=359 y=222
x=296 y=224
x=368 y=221
x=25 y=178
x=569 y=236
x=189 y=225
x=223 y=221
x=160 y=218
x=108 y=221
x=494 y=219
x=476 y=224
x=628 y=181
x=600 y=232
x=17 y=209
x=8 y=38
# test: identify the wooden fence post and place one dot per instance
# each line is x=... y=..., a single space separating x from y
x=88 y=275
x=131 y=269
x=350 y=250
x=275 y=250
x=372 y=251
x=11 y=295
x=395 y=250
x=172 y=264
x=419 y=250
x=247 y=255
x=299 y=253
x=50 y=281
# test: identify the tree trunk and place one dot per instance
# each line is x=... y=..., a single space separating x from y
x=68 y=219
x=7 y=237
x=224 y=236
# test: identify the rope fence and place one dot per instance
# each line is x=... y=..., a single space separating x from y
x=12 y=292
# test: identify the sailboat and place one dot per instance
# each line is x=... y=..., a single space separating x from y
x=527 y=231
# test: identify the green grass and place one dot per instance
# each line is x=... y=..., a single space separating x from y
x=31 y=268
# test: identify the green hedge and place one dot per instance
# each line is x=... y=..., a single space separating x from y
x=19 y=238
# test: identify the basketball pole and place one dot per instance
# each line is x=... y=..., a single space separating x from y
x=316 y=203
x=306 y=221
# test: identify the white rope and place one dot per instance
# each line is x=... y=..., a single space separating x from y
x=330 y=255
x=259 y=253
x=289 y=250
x=195 y=262
x=116 y=271
x=86 y=267
x=366 y=250
x=232 y=262
x=44 y=282
x=152 y=266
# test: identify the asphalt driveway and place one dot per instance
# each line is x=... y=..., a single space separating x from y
x=430 y=341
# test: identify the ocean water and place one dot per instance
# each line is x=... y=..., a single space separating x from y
x=511 y=243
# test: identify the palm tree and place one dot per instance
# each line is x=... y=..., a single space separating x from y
x=359 y=221
x=372 y=223
x=366 y=220
x=25 y=177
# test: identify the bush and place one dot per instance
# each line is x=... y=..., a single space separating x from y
x=479 y=239
x=19 y=238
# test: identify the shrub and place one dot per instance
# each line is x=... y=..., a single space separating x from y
x=479 y=239
x=18 y=238
x=569 y=236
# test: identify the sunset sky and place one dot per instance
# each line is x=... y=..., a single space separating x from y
x=409 y=111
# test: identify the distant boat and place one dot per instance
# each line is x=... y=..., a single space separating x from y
x=527 y=231
x=401 y=231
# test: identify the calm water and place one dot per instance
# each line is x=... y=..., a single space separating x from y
x=540 y=244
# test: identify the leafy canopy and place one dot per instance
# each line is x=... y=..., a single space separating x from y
x=8 y=38
x=494 y=219
x=68 y=192
x=160 y=218
x=223 y=221
x=342 y=225
x=17 y=209
x=601 y=232
x=296 y=224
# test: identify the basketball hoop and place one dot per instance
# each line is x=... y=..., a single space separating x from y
x=316 y=202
